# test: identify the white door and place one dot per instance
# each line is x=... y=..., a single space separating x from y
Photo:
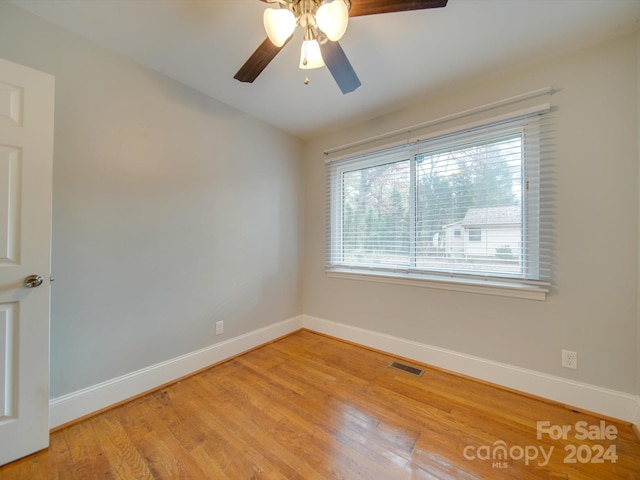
x=26 y=157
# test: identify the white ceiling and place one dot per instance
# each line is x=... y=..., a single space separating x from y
x=398 y=56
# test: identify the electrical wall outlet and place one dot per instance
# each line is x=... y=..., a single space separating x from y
x=219 y=327
x=569 y=359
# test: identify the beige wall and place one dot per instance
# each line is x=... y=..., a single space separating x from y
x=638 y=220
x=592 y=307
x=171 y=211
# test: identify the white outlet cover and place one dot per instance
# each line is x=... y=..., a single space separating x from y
x=569 y=359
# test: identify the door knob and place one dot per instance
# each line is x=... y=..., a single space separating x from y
x=33 y=281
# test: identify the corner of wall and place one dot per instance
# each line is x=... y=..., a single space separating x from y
x=638 y=219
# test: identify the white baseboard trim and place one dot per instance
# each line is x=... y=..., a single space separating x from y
x=636 y=420
x=603 y=401
x=75 y=405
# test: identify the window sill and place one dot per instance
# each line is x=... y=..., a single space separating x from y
x=485 y=287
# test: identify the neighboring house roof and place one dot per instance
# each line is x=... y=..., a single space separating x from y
x=493 y=216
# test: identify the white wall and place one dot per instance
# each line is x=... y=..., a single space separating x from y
x=592 y=308
x=171 y=211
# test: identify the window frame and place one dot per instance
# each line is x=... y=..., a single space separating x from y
x=522 y=287
x=475 y=234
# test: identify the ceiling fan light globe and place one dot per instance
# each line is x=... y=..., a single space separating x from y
x=310 y=55
x=279 y=23
x=333 y=18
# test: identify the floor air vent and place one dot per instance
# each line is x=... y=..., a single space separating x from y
x=407 y=368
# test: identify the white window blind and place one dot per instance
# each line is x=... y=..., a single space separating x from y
x=470 y=205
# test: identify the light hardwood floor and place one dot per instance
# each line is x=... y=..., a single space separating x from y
x=311 y=407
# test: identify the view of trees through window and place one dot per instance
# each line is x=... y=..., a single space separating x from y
x=458 y=207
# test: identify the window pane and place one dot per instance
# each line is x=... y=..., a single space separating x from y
x=375 y=213
x=469 y=207
x=475 y=234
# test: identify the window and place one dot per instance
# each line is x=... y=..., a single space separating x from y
x=461 y=208
x=475 y=234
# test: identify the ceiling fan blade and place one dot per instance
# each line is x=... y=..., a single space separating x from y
x=339 y=66
x=372 y=7
x=258 y=61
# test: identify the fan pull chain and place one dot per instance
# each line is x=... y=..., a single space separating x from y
x=305 y=64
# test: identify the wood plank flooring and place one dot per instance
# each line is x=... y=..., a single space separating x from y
x=311 y=407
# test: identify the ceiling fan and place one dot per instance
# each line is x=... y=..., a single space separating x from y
x=324 y=22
